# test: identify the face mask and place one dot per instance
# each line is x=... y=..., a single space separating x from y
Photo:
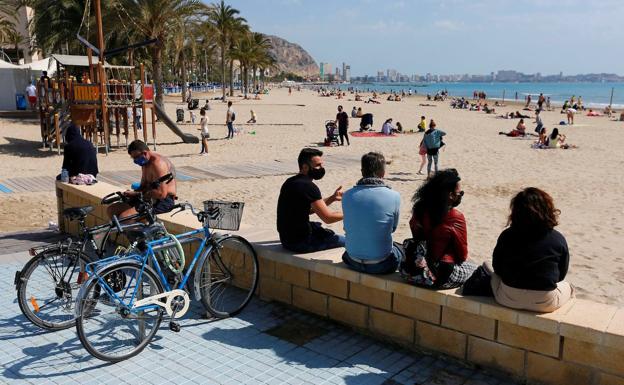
x=316 y=173
x=457 y=201
x=140 y=161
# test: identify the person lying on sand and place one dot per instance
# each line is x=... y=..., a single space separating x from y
x=593 y=113
x=521 y=116
x=372 y=101
x=519 y=131
x=427 y=105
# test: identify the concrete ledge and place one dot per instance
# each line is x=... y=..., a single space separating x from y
x=581 y=343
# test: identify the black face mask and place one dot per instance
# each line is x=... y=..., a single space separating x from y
x=457 y=201
x=316 y=173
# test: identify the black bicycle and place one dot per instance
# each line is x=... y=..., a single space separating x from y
x=48 y=283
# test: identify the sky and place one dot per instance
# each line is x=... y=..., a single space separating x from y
x=449 y=36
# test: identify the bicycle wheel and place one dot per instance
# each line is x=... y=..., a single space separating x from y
x=229 y=276
x=106 y=325
x=48 y=285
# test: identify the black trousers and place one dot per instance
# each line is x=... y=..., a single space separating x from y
x=342 y=131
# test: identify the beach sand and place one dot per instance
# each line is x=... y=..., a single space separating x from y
x=585 y=183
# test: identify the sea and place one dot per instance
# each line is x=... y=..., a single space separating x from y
x=595 y=95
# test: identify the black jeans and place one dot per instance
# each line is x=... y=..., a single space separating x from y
x=342 y=131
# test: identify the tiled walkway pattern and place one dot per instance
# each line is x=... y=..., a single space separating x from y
x=267 y=343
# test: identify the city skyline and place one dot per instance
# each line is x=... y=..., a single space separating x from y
x=445 y=37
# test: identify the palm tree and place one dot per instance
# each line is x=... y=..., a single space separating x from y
x=251 y=51
x=225 y=22
x=155 y=19
x=56 y=23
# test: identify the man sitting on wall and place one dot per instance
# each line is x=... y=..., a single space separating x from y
x=371 y=215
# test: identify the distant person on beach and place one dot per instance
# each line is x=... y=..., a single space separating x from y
x=203 y=126
x=399 y=128
x=354 y=112
x=422 y=151
x=433 y=143
x=342 y=120
x=531 y=258
x=207 y=105
x=253 y=117
x=138 y=115
x=371 y=214
x=519 y=131
x=299 y=198
x=230 y=116
x=540 y=101
x=570 y=115
x=422 y=126
x=538 y=121
x=359 y=112
x=528 y=100
x=437 y=221
x=45 y=78
x=31 y=93
x=153 y=167
x=557 y=140
x=548 y=103
x=387 y=128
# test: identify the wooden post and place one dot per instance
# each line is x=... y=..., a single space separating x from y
x=58 y=133
x=102 y=74
x=153 y=126
x=143 y=109
x=126 y=124
x=90 y=57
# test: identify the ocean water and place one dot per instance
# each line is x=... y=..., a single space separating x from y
x=593 y=94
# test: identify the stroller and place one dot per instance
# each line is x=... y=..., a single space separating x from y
x=193 y=104
x=367 y=122
x=331 y=133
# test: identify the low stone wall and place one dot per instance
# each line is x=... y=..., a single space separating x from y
x=581 y=343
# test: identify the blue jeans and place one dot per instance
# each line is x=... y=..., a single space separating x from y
x=432 y=159
x=387 y=266
x=230 y=127
x=319 y=239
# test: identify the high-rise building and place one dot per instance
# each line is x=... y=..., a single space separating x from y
x=337 y=75
x=325 y=71
x=380 y=76
x=346 y=74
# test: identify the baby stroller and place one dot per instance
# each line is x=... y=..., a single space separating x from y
x=193 y=104
x=331 y=133
x=367 y=122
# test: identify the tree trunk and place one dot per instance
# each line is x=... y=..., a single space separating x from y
x=223 y=71
x=231 y=77
x=157 y=76
x=184 y=76
x=244 y=80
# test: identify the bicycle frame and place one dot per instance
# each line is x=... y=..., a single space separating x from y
x=203 y=235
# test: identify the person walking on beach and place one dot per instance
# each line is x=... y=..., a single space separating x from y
x=31 y=93
x=433 y=142
x=229 y=120
x=342 y=119
x=422 y=151
x=540 y=101
x=203 y=126
x=538 y=121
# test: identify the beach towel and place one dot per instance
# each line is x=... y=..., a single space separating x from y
x=370 y=134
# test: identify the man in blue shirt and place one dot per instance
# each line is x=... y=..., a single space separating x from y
x=371 y=215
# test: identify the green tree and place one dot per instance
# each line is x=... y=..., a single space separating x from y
x=225 y=23
x=156 y=19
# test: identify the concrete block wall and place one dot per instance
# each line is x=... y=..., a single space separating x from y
x=581 y=343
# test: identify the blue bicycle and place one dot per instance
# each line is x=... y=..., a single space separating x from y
x=120 y=308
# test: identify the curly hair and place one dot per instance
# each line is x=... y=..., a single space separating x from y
x=533 y=210
x=432 y=197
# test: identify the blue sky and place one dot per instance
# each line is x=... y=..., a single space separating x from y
x=449 y=36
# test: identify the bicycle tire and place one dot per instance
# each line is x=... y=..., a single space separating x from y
x=28 y=303
x=233 y=271
x=87 y=311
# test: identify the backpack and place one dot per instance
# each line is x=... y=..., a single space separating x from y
x=233 y=116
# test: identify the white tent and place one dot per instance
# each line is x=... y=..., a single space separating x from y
x=5 y=64
x=14 y=81
x=41 y=65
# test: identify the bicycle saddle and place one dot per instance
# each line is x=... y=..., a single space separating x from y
x=77 y=212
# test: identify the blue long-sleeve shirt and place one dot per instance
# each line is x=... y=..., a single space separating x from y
x=371 y=215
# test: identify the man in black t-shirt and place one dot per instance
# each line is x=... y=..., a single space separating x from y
x=342 y=119
x=299 y=197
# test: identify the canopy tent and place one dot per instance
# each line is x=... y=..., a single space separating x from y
x=41 y=65
x=14 y=81
x=5 y=64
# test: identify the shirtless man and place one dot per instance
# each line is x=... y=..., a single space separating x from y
x=153 y=166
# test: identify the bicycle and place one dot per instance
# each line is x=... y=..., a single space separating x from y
x=115 y=323
x=48 y=283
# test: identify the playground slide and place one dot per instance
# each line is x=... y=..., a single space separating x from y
x=186 y=138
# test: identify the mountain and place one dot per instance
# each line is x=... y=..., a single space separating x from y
x=292 y=57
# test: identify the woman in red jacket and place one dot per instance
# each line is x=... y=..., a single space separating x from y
x=436 y=221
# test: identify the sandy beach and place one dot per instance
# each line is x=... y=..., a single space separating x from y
x=584 y=182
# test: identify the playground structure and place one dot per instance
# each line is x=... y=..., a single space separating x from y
x=111 y=104
x=115 y=103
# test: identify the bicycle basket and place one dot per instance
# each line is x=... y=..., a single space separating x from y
x=228 y=214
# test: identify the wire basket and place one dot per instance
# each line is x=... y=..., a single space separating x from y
x=228 y=214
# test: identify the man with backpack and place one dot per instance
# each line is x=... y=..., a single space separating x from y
x=229 y=120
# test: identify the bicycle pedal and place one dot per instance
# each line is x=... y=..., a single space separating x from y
x=174 y=327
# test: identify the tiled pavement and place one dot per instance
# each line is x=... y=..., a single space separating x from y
x=266 y=343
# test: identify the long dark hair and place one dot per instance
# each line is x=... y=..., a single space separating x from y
x=533 y=211
x=432 y=197
x=555 y=133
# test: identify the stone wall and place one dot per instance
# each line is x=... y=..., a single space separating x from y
x=581 y=343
